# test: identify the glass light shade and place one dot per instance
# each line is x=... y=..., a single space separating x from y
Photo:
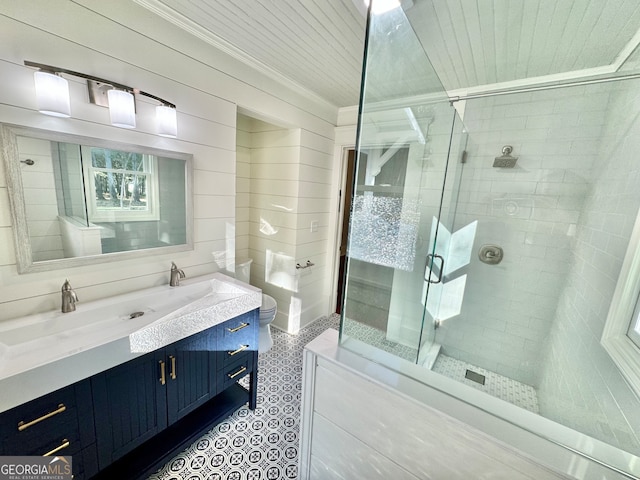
x=52 y=93
x=122 y=108
x=167 y=121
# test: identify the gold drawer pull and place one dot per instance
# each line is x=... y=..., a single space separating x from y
x=23 y=426
x=241 y=349
x=163 y=378
x=65 y=444
x=239 y=327
x=234 y=375
x=173 y=367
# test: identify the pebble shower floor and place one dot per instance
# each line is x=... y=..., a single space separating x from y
x=260 y=444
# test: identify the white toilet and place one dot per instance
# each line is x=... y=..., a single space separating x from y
x=268 y=309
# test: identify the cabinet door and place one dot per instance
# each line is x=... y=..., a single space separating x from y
x=130 y=404
x=191 y=371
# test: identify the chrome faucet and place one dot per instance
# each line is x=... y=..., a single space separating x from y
x=176 y=275
x=69 y=298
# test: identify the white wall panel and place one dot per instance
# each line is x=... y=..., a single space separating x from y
x=426 y=424
x=118 y=41
x=338 y=455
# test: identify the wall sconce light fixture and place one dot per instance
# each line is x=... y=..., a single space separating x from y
x=167 y=121
x=122 y=108
x=52 y=92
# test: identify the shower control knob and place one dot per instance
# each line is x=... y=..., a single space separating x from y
x=491 y=254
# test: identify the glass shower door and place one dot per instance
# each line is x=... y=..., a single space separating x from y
x=403 y=147
x=450 y=245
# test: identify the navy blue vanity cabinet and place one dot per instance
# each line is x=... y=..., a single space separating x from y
x=130 y=403
x=194 y=385
x=59 y=423
x=127 y=421
x=141 y=398
x=238 y=352
x=191 y=374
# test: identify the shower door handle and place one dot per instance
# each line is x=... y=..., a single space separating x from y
x=430 y=260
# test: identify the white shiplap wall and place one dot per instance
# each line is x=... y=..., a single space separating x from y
x=119 y=41
x=243 y=185
x=289 y=185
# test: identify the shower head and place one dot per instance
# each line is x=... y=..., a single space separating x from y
x=506 y=160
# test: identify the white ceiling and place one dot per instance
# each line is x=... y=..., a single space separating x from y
x=318 y=44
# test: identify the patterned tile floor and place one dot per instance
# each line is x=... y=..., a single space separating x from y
x=260 y=444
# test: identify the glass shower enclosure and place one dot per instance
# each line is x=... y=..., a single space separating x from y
x=492 y=236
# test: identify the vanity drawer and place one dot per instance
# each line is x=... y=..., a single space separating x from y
x=235 y=371
x=239 y=331
x=41 y=425
x=230 y=357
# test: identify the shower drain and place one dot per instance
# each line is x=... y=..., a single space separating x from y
x=474 y=376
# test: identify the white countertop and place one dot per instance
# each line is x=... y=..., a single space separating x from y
x=42 y=353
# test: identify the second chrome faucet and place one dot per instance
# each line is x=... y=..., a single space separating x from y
x=176 y=275
x=69 y=298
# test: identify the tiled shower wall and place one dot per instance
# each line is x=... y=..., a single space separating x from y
x=580 y=385
x=531 y=211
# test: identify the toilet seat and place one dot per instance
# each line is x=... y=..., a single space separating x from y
x=268 y=309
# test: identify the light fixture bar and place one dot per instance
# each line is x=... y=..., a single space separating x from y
x=119 y=86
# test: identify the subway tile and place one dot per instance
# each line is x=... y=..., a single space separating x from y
x=530 y=109
x=550 y=120
x=513 y=187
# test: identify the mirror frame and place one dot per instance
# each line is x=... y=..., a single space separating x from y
x=22 y=240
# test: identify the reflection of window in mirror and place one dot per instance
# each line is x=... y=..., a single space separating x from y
x=120 y=186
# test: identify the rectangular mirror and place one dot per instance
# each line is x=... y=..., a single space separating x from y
x=77 y=200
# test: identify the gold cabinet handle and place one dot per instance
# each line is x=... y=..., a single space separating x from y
x=234 y=375
x=239 y=327
x=163 y=379
x=173 y=367
x=65 y=444
x=241 y=349
x=23 y=426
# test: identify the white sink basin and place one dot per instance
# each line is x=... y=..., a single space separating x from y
x=168 y=315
